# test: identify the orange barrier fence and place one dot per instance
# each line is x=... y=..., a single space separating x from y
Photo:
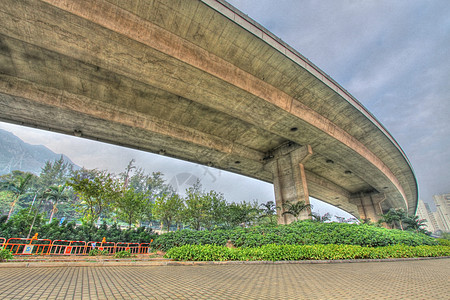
x=102 y=246
x=22 y=246
x=64 y=247
x=132 y=247
x=144 y=248
x=34 y=246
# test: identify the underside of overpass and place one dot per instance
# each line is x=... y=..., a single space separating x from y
x=199 y=81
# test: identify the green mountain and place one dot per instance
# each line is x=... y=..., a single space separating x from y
x=15 y=154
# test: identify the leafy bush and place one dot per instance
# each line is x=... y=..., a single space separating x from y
x=5 y=254
x=443 y=242
x=19 y=226
x=274 y=252
x=124 y=254
x=97 y=252
x=299 y=233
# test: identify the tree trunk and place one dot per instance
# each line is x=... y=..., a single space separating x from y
x=11 y=209
x=53 y=212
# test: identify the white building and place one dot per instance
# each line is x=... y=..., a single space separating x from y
x=442 y=211
x=438 y=220
x=424 y=212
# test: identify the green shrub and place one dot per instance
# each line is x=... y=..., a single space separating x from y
x=124 y=254
x=443 y=242
x=302 y=252
x=203 y=253
x=299 y=233
x=5 y=254
x=96 y=252
x=19 y=226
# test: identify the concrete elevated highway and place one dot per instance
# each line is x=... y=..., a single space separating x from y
x=199 y=81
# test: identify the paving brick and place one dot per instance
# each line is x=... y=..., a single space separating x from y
x=416 y=279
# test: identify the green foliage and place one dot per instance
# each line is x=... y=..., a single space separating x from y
x=17 y=184
x=150 y=186
x=123 y=254
x=242 y=214
x=19 y=224
x=274 y=252
x=204 y=253
x=268 y=211
x=197 y=206
x=130 y=206
x=5 y=254
x=97 y=192
x=398 y=218
x=296 y=209
x=416 y=224
x=303 y=232
x=98 y=252
x=443 y=242
x=55 y=194
x=318 y=218
x=55 y=173
x=168 y=208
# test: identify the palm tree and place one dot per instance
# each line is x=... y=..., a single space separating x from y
x=394 y=216
x=18 y=186
x=295 y=209
x=415 y=223
x=318 y=218
x=55 y=194
x=268 y=210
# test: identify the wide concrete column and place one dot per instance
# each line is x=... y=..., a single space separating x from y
x=369 y=205
x=289 y=179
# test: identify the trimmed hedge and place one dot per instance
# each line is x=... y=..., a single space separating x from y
x=299 y=233
x=301 y=252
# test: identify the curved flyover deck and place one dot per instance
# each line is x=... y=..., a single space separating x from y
x=200 y=81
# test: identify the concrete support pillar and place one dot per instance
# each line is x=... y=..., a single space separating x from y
x=369 y=205
x=289 y=179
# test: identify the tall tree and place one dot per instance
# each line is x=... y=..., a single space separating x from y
x=168 y=208
x=196 y=206
x=17 y=186
x=269 y=211
x=56 y=194
x=415 y=223
x=55 y=173
x=242 y=214
x=394 y=217
x=129 y=206
x=125 y=176
x=97 y=192
x=151 y=186
x=217 y=206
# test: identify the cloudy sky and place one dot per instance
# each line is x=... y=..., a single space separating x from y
x=392 y=55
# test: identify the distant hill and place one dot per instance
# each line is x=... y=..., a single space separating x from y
x=15 y=154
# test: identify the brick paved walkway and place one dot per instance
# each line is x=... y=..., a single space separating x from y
x=420 y=279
